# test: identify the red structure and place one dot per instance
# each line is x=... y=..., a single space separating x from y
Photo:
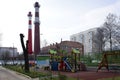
x=37 y=30
x=30 y=33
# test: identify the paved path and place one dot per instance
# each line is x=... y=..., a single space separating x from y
x=6 y=74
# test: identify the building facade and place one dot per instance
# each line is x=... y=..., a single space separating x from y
x=64 y=45
x=9 y=51
x=86 y=38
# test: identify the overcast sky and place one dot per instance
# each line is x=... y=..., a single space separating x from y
x=59 y=18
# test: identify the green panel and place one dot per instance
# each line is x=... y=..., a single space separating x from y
x=43 y=57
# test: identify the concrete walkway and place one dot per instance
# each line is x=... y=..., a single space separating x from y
x=6 y=74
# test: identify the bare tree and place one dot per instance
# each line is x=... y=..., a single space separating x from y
x=99 y=40
x=108 y=35
x=6 y=57
x=110 y=30
x=21 y=56
x=117 y=33
x=45 y=43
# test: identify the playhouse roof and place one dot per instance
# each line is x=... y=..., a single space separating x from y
x=75 y=51
x=53 y=51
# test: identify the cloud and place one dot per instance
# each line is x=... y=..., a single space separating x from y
x=96 y=17
x=58 y=19
x=63 y=24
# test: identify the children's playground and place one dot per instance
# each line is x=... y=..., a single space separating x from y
x=71 y=66
x=60 y=61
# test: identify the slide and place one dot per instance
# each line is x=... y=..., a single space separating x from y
x=68 y=65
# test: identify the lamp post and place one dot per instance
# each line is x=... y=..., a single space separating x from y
x=13 y=53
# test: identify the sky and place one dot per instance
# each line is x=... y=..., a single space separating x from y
x=59 y=18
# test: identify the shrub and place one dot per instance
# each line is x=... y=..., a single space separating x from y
x=32 y=74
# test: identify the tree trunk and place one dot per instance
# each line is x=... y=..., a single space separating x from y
x=25 y=51
x=110 y=41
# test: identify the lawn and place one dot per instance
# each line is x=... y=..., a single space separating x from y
x=32 y=74
x=57 y=78
x=35 y=74
x=115 y=78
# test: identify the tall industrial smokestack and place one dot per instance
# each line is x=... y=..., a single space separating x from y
x=30 y=33
x=37 y=31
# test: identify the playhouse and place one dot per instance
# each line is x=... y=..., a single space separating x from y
x=60 y=61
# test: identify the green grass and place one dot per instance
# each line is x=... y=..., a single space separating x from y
x=114 y=78
x=32 y=74
x=65 y=79
x=35 y=74
x=92 y=64
x=57 y=78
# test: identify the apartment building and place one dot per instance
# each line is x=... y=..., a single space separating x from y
x=86 y=38
x=9 y=51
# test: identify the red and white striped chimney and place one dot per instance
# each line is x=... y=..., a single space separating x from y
x=37 y=30
x=30 y=33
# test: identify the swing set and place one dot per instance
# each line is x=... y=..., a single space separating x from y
x=110 y=60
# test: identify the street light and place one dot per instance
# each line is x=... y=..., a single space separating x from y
x=13 y=53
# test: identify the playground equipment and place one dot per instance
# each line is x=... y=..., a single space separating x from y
x=68 y=65
x=53 y=62
x=104 y=62
x=64 y=63
x=78 y=64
